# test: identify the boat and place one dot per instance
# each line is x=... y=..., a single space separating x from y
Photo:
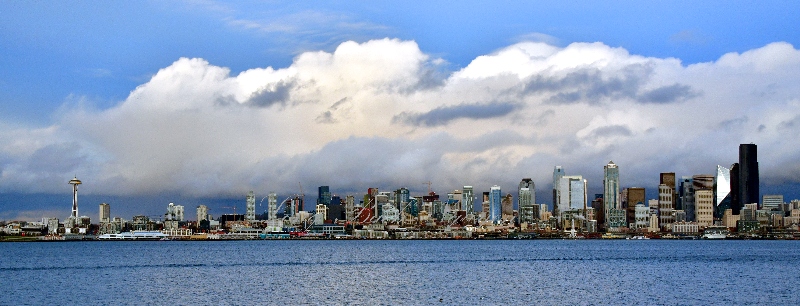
x=715 y=232
x=134 y=235
x=638 y=237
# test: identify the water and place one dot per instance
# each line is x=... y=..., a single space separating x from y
x=416 y=272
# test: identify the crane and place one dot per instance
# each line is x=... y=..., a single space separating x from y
x=234 y=209
x=429 y=186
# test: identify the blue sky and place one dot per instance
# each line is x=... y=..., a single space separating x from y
x=68 y=61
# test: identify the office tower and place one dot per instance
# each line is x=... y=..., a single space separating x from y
x=666 y=200
x=572 y=193
x=272 y=206
x=704 y=207
x=250 y=209
x=772 y=202
x=558 y=173
x=526 y=200
x=507 y=207
x=599 y=208
x=636 y=195
x=611 y=198
x=74 y=182
x=699 y=182
x=495 y=208
x=349 y=208
x=324 y=195
x=527 y=183
x=748 y=176
x=467 y=198
x=722 y=191
x=105 y=212
x=202 y=213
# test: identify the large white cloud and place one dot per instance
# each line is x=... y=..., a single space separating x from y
x=380 y=114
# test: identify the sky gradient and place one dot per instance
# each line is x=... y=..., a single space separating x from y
x=198 y=102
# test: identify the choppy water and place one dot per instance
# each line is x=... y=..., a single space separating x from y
x=401 y=272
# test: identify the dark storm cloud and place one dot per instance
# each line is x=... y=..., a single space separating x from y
x=270 y=95
x=668 y=94
x=443 y=115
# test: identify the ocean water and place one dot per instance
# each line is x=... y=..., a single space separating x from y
x=407 y=272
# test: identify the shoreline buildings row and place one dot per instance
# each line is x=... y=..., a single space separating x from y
x=729 y=198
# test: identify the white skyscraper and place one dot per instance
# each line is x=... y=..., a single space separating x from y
x=272 y=206
x=250 y=213
x=467 y=198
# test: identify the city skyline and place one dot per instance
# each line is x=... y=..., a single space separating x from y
x=223 y=98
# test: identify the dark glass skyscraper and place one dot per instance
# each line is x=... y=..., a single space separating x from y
x=748 y=175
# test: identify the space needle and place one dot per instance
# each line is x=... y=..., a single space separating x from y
x=75 y=182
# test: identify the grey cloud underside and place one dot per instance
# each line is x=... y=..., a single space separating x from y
x=443 y=115
x=592 y=86
x=271 y=95
x=790 y=124
x=610 y=131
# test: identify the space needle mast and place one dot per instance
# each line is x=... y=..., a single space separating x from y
x=75 y=182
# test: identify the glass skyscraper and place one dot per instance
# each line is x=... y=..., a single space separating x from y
x=495 y=208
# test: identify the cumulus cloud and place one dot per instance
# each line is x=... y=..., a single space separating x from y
x=382 y=113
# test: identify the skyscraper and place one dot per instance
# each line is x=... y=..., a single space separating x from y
x=495 y=208
x=105 y=213
x=748 y=176
x=558 y=173
x=636 y=196
x=467 y=197
x=572 y=193
x=666 y=200
x=722 y=191
x=526 y=200
x=202 y=213
x=611 y=198
x=324 y=195
x=250 y=209
x=272 y=206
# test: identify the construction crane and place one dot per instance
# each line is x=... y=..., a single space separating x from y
x=234 y=209
x=429 y=186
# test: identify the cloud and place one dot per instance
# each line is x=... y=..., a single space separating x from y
x=382 y=113
x=444 y=114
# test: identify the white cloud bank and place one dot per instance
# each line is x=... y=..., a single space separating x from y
x=384 y=114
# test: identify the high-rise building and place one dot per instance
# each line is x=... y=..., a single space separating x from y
x=324 y=195
x=699 y=182
x=467 y=198
x=572 y=193
x=704 y=207
x=772 y=202
x=495 y=205
x=611 y=198
x=105 y=212
x=526 y=200
x=558 y=173
x=666 y=200
x=722 y=191
x=636 y=196
x=202 y=213
x=250 y=209
x=748 y=176
x=349 y=208
x=272 y=206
